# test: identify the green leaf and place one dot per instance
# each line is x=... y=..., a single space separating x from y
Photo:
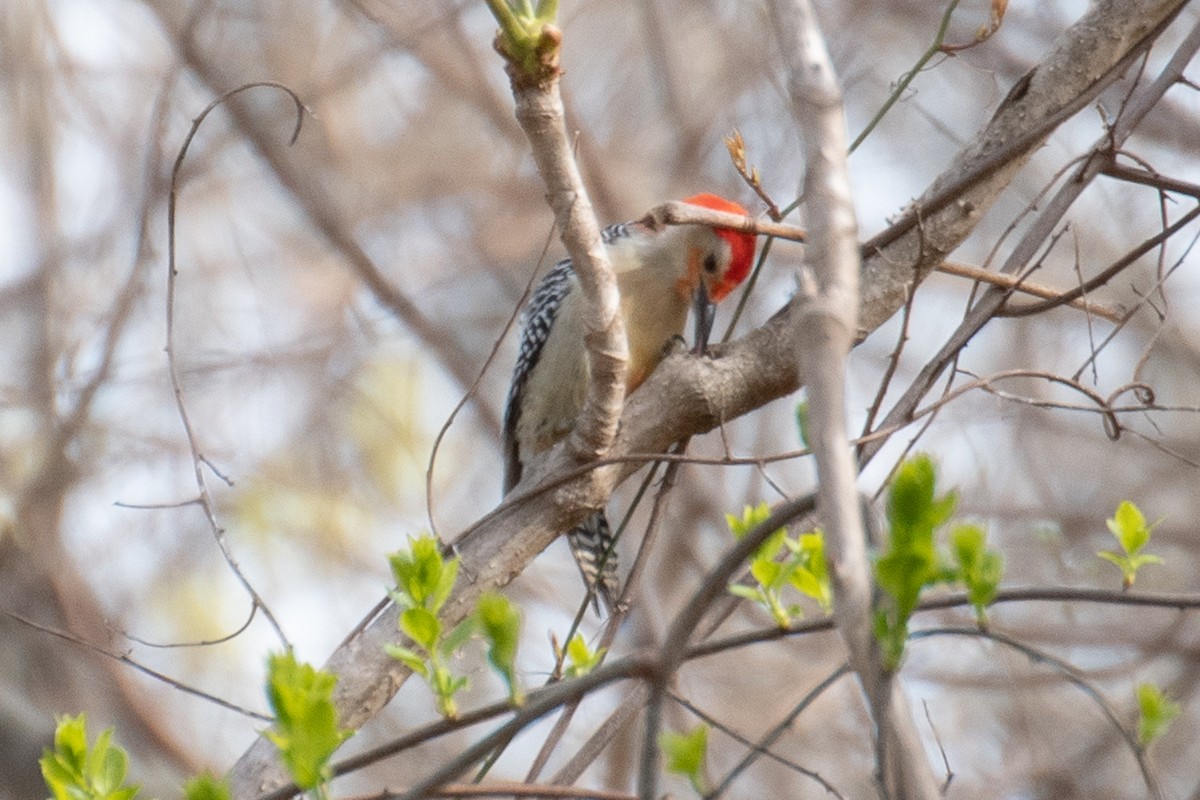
x=1156 y=713
x=1142 y=559
x=748 y=592
x=1128 y=524
x=501 y=624
x=424 y=579
x=73 y=771
x=106 y=763
x=1132 y=533
x=447 y=576
x=768 y=573
x=70 y=741
x=903 y=573
x=912 y=508
x=409 y=658
x=445 y=686
x=685 y=754
x=910 y=561
x=892 y=635
x=206 y=787
x=581 y=659
x=422 y=626
x=306 y=731
x=802 y=424
x=811 y=574
x=978 y=568
x=751 y=517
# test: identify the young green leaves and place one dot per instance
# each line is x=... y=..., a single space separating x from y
x=1156 y=712
x=581 y=659
x=1129 y=527
x=976 y=567
x=306 y=731
x=685 y=755
x=528 y=38
x=912 y=561
x=802 y=567
x=74 y=771
x=206 y=787
x=424 y=580
x=500 y=622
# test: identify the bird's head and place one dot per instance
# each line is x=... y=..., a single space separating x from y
x=717 y=264
x=727 y=263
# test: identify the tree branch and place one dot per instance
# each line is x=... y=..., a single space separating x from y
x=540 y=114
x=825 y=329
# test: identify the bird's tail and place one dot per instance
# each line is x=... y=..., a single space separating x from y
x=594 y=547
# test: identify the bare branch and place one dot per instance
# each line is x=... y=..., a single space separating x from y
x=540 y=113
x=825 y=329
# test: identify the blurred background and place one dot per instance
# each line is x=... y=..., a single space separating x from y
x=338 y=297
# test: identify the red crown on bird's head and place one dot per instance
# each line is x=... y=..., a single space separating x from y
x=741 y=243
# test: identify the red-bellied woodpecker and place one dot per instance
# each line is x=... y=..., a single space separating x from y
x=662 y=271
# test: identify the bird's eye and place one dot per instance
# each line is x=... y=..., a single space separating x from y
x=710 y=264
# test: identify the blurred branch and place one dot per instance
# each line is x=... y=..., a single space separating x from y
x=305 y=187
x=138 y=666
x=635 y=699
x=1020 y=594
x=1071 y=674
x=760 y=748
x=673 y=650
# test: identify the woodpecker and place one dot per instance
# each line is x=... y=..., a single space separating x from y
x=661 y=271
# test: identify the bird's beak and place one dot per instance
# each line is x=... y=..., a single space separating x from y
x=705 y=311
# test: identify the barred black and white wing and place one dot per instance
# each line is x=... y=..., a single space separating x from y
x=537 y=321
x=594 y=547
x=536 y=324
x=592 y=541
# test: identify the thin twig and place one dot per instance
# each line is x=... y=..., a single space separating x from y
x=1072 y=675
x=142 y=668
x=761 y=747
x=199 y=460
